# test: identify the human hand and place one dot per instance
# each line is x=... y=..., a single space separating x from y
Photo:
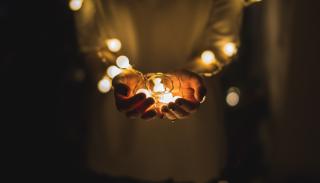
x=134 y=105
x=191 y=88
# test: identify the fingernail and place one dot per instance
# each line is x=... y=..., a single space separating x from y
x=122 y=89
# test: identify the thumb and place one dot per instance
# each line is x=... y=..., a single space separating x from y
x=121 y=90
x=200 y=93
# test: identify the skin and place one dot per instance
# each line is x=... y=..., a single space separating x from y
x=188 y=85
x=133 y=105
x=191 y=87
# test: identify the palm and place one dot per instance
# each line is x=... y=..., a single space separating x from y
x=134 y=105
x=188 y=85
x=191 y=88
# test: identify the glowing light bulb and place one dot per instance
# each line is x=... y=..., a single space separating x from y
x=113 y=44
x=75 y=5
x=166 y=98
x=229 y=49
x=158 y=85
x=104 y=85
x=123 y=62
x=113 y=71
x=208 y=57
x=145 y=91
x=233 y=96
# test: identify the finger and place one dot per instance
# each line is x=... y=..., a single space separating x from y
x=131 y=103
x=139 y=110
x=200 y=93
x=149 y=115
x=130 y=79
x=121 y=90
x=168 y=114
x=186 y=105
x=193 y=86
x=178 y=111
x=197 y=83
x=188 y=93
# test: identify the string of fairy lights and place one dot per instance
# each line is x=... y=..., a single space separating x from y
x=158 y=83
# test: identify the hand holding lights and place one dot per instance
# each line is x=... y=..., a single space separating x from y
x=160 y=87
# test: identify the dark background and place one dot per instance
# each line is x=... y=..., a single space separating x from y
x=273 y=134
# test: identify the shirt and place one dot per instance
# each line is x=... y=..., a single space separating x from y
x=158 y=36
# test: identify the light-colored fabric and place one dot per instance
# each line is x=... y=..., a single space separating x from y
x=157 y=35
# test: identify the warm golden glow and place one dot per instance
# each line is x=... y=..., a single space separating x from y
x=208 y=57
x=158 y=86
x=233 y=96
x=229 y=49
x=113 y=71
x=123 y=62
x=104 y=85
x=166 y=98
x=113 y=44
x=145 y=91
x=75 y=5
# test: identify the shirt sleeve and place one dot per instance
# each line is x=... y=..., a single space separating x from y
x=224 y=23
x=223 y=28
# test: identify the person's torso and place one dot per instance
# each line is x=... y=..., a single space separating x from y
x=157 y=36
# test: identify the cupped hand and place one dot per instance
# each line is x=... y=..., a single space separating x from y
x=190 y=86
x=134 y=105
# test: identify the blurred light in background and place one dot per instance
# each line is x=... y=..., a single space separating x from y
x=113 y=44
x=123 y=62
x=233 y=96
x=208 y=57
x=75 y=5
x=113 y=71
x=229 y=49
x=104 y=85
